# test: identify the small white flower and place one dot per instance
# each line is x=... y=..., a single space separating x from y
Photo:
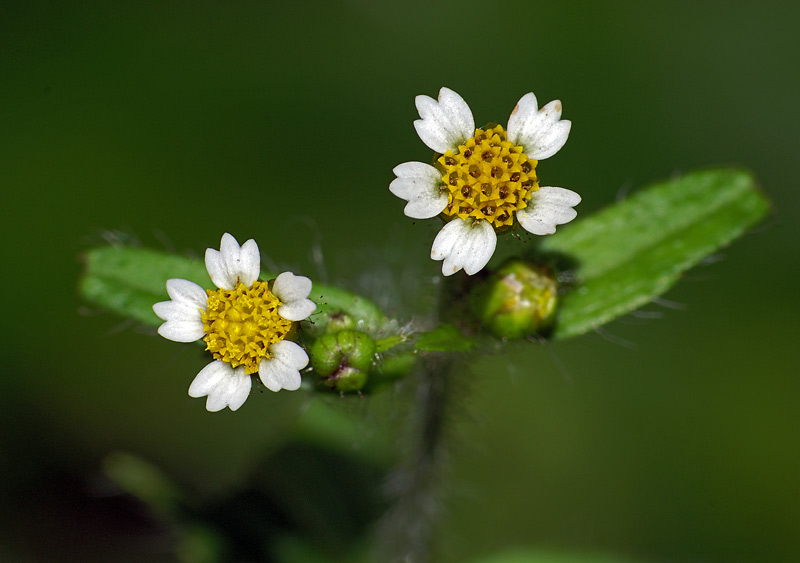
x=243 y=323
x=485 y=181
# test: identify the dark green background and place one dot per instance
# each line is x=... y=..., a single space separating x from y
x=171 y=123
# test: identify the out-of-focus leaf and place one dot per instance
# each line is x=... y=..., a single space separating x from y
x=445 y=338
x=196 y=541
x=635 y=250
x=144 y=481
x=325 y=423
x=130 y=280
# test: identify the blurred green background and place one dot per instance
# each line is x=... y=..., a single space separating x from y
x=659 y=439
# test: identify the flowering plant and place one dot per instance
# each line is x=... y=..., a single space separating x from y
x=483 y=183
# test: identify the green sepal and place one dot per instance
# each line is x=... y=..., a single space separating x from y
x=384 y=344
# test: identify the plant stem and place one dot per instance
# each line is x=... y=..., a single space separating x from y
x=406 y=531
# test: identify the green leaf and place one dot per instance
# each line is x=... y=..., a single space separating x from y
x=130 y=280
x=636 y=250
x=445 y=338
x=144 y=481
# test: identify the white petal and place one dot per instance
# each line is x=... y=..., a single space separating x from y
x=293 y=292
x=250 y=263
x=182 y=331
x=229 y=247
x=289 y=353
x=232 y=263
x=209 y=377
x=419 y=184
x=218 y=270
x=242 y=390
x=183 y=313
x=231 y=392
x=224 y=385
x=283 y=370
x=445 y=123
x=177 y=311
x=297 y=310
x=464 y=245
x=184 y=291
x=547 y=208
x=540 y=132
x=288 y=287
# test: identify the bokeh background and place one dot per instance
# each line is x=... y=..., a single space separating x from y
x=669 y=436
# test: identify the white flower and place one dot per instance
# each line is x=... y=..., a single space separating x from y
x=485 y=180
x=243 y=323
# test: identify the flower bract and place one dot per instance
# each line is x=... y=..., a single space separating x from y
x=246 y=324
x=483 y=181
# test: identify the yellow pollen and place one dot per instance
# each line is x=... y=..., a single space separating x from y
x=490 y=178
x=241 y=323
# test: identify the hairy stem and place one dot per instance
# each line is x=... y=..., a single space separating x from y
x=406 y=530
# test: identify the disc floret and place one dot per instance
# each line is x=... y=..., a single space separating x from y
x=488 y=178
x=242 y=323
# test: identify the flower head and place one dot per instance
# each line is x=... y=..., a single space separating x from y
x=245 y=323
x=484 y=180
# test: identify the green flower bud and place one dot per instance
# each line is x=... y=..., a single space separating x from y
x=517 y=300
x=340 y=321
x=343 y=359
x=346 y=379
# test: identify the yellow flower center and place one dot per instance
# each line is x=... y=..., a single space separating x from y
x=490 y=178
x=241 y=323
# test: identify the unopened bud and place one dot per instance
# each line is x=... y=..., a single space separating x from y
x=517 y=300
x=340 y=321
x=342 y=359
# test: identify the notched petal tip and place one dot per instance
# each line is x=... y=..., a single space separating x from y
x=549 y=206
x=249 y=266
x=297 y=310
x=540 y=131
x=463 y=245
x=186 y=292
x=425 y=208
x=217 y=268
x=444 y=123
x=162 y=309
x=182 y=330
x=288 y=287
x=225 y=386
x=228 y=244
x=283 y=370
x=422 y=100
x=421 y=186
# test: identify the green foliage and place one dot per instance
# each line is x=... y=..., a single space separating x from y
x=445 y=338
x=130 y=280
x=635 y=250
x=143 y=480
x=622 y=258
